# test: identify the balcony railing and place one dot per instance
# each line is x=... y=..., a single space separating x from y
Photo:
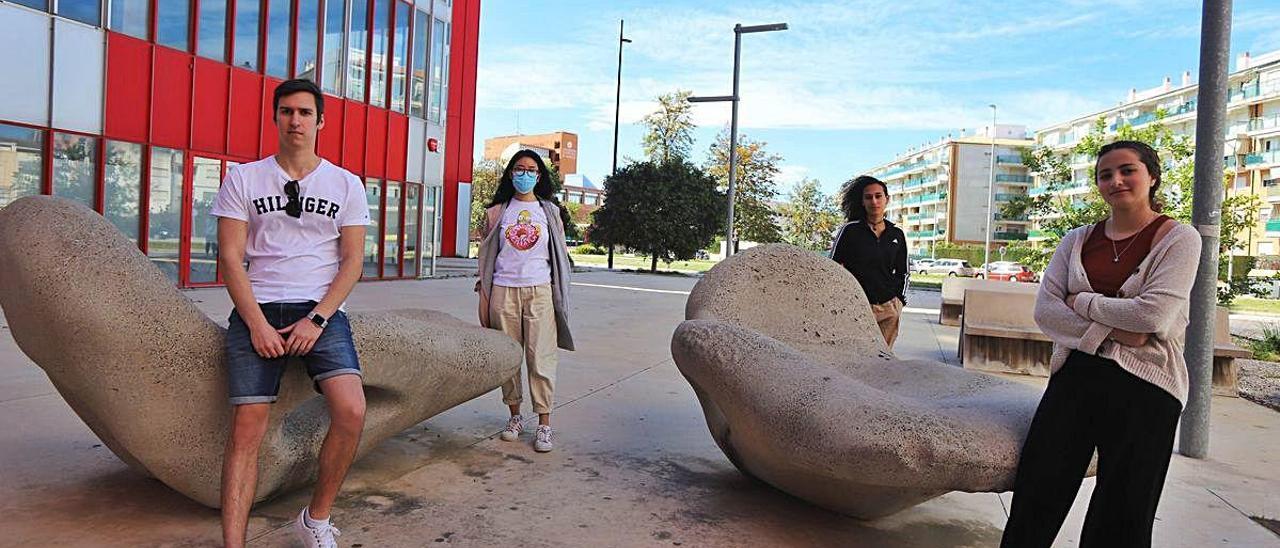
x=1009 y=159
x=1013 y=178
x=1011 y=235
x=1273 y=226
x=1003 y=217
x=1005 y=197
x=1264 y=123
x=1272 y=157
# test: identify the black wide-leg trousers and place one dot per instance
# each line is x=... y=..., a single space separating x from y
x=1092 y=403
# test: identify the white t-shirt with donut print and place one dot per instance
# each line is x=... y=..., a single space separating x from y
x=524 y=255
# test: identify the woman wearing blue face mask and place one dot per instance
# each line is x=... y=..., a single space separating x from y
x=524 y=284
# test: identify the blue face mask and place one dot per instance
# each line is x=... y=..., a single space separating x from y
x=524 y=181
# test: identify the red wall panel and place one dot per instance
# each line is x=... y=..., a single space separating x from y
x=353 y=138
x=397 y=146
x=329 y=140
x=246 y=114
x=171 y=99
x=128 y=79
x=375 y=157
x=270 y=141
x=209 y=115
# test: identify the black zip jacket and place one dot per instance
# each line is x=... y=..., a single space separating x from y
x=879 y=264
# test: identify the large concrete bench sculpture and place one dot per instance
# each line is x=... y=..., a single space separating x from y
x=953 y=289
x=143 y=367
x=800 y=391
x=998 y=333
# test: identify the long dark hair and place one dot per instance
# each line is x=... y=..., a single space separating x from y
x=851 y=196
x=1148 y=156
x=546 y=189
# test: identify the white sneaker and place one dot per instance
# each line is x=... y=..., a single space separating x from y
x=515 y=425
x=542 y=439
x=319 y=537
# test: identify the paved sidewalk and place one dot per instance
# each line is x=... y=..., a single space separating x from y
x=633 y=465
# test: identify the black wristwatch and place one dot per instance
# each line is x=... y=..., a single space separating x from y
x=317 y=319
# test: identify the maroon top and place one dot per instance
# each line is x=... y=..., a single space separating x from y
x=1106 y=273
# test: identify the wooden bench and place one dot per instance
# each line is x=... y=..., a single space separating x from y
x=1225 y=352
x=953 y=295
x=998 y=333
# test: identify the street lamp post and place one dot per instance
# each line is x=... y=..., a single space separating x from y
x=738 y=31
x=991 y=185
x=617 y=111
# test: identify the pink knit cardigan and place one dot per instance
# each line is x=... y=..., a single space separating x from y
x=1153 y=300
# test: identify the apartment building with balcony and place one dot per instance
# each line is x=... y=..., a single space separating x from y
x=1252 y=152
x=939 y=190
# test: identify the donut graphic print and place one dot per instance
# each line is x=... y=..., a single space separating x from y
x=524 y=234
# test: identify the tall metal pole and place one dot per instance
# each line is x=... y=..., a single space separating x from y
x=991 y=185
x=617 y=111
x=733 y=139
x=1206 y=213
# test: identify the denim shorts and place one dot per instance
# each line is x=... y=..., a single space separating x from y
x=254 y=379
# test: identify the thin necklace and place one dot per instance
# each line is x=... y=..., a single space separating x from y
x=1115 y=255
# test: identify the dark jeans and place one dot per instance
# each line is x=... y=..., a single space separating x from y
x=1091 y=403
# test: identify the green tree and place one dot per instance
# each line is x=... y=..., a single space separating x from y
x=754 y=219
x=668 y=211
x=484 y=182
x=811 y=216
x=669 y=130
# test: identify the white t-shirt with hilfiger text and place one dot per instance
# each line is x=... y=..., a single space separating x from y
x=524 y=258
x=291 y=259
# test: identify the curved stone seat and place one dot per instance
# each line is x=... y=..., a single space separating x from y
x=143 y=367
x=800 y=391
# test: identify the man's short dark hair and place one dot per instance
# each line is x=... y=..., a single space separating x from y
x=290 y=87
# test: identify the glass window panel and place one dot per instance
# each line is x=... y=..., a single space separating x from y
x=122 y=178
x=21 y=162
x=434 y=109
x=165 y=210
x=399 y=56
x=412 y=206
x=84 y=11
x=75 y=167
x=130 y=17
x=174 y=24
x=428 y=250
x=206 y=174
x=37 y=4
x=248 y=16
x=334 y=26
x=304 y=65
x=279 y=13
x=418 y=82
x=391 y=244
x=211 y=41
x=373 y=233
x=356 y=43
x=378 y=60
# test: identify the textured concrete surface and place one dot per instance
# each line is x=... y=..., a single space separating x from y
x=633 y=465
x=800 y=391
x=143 y=367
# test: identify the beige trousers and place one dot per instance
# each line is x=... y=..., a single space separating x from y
x=887 y=315
x=527 y=315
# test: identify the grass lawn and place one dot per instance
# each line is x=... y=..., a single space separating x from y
x=927 y=281
x=1251 y=305
x=639 y=262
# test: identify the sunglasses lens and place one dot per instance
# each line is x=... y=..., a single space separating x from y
x=291 y=188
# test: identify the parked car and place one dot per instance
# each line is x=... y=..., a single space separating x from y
x=951 y=267
x=920 y=266
x=1003 y=271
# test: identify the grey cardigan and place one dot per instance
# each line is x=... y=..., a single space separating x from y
x=560 y=269
x=1153 y=300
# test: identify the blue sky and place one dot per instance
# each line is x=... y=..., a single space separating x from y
x=850 y=85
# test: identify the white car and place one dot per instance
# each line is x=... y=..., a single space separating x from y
x=951 y=267
x=920 y=266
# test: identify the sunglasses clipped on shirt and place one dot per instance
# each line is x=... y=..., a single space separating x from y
x=294 y=207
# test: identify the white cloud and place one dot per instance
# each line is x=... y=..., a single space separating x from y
x=789 y=175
